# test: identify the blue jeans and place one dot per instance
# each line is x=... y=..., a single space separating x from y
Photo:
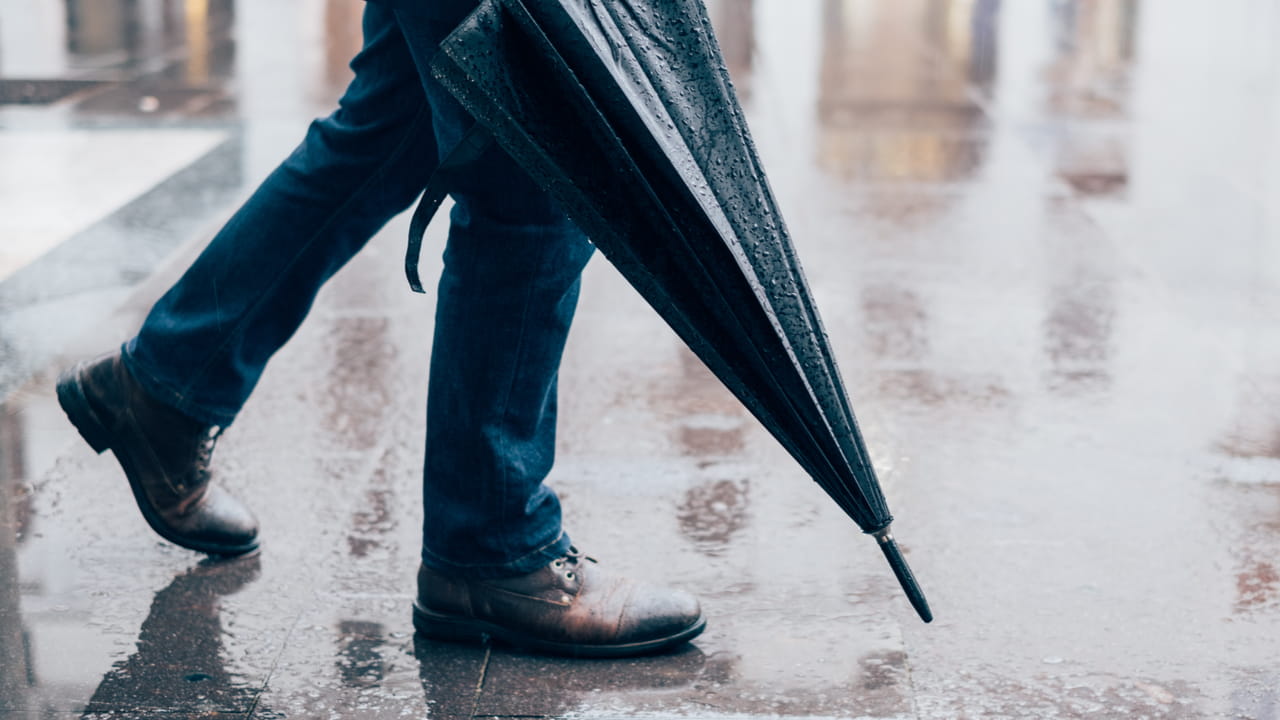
x=510 y=283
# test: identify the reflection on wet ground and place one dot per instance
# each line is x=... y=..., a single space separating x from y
x=1044 y=239
x=178 y=660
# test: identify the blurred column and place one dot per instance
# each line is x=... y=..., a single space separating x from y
x=99 y=27
x=984 y=44
x=1089 y=83
x=209 y=42
x=896 y=88
x=196 y=14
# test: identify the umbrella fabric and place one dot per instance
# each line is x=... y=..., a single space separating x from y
x=623 y=110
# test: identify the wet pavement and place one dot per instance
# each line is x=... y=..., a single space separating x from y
x=1045 y=238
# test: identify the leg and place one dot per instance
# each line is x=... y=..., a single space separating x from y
x=505 y=302
x=205 y=343
x=492 y=538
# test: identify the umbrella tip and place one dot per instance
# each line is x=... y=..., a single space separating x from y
x=906 y=578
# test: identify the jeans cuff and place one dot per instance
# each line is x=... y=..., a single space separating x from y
x=162 y=393
x=527 y=563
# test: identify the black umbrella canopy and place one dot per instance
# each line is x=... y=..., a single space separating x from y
x=625 y=113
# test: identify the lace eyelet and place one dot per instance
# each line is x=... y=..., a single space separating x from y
x=568 y=575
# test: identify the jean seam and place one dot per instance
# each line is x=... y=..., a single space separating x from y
x=424 y=110
x=521 y=345
x=509 y=563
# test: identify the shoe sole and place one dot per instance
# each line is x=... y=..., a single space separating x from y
x=451 y=628
x=80 y=412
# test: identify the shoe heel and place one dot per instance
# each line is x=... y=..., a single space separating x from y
x=437 y=627
x=74 y=403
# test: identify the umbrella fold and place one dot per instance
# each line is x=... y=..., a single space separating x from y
x=624 y=112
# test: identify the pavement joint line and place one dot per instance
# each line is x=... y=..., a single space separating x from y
x=484 y=671
x=275 y=663
x=912 y=691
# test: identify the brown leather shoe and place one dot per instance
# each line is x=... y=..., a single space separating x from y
x=164 y=454
x=570 y=607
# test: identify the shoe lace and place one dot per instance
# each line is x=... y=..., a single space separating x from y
x=572 y=558
x=204 y=453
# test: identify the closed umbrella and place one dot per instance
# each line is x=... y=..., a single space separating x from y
x=624 y=112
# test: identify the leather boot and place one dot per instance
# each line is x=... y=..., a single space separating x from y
x=165 y=456
x=570 y=607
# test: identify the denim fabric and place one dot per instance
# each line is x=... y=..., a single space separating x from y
x=506 y=296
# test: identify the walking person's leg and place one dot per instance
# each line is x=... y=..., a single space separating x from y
x=495 y=559
x=160 y=404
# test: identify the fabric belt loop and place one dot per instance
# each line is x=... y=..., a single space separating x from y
x=469 y=149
